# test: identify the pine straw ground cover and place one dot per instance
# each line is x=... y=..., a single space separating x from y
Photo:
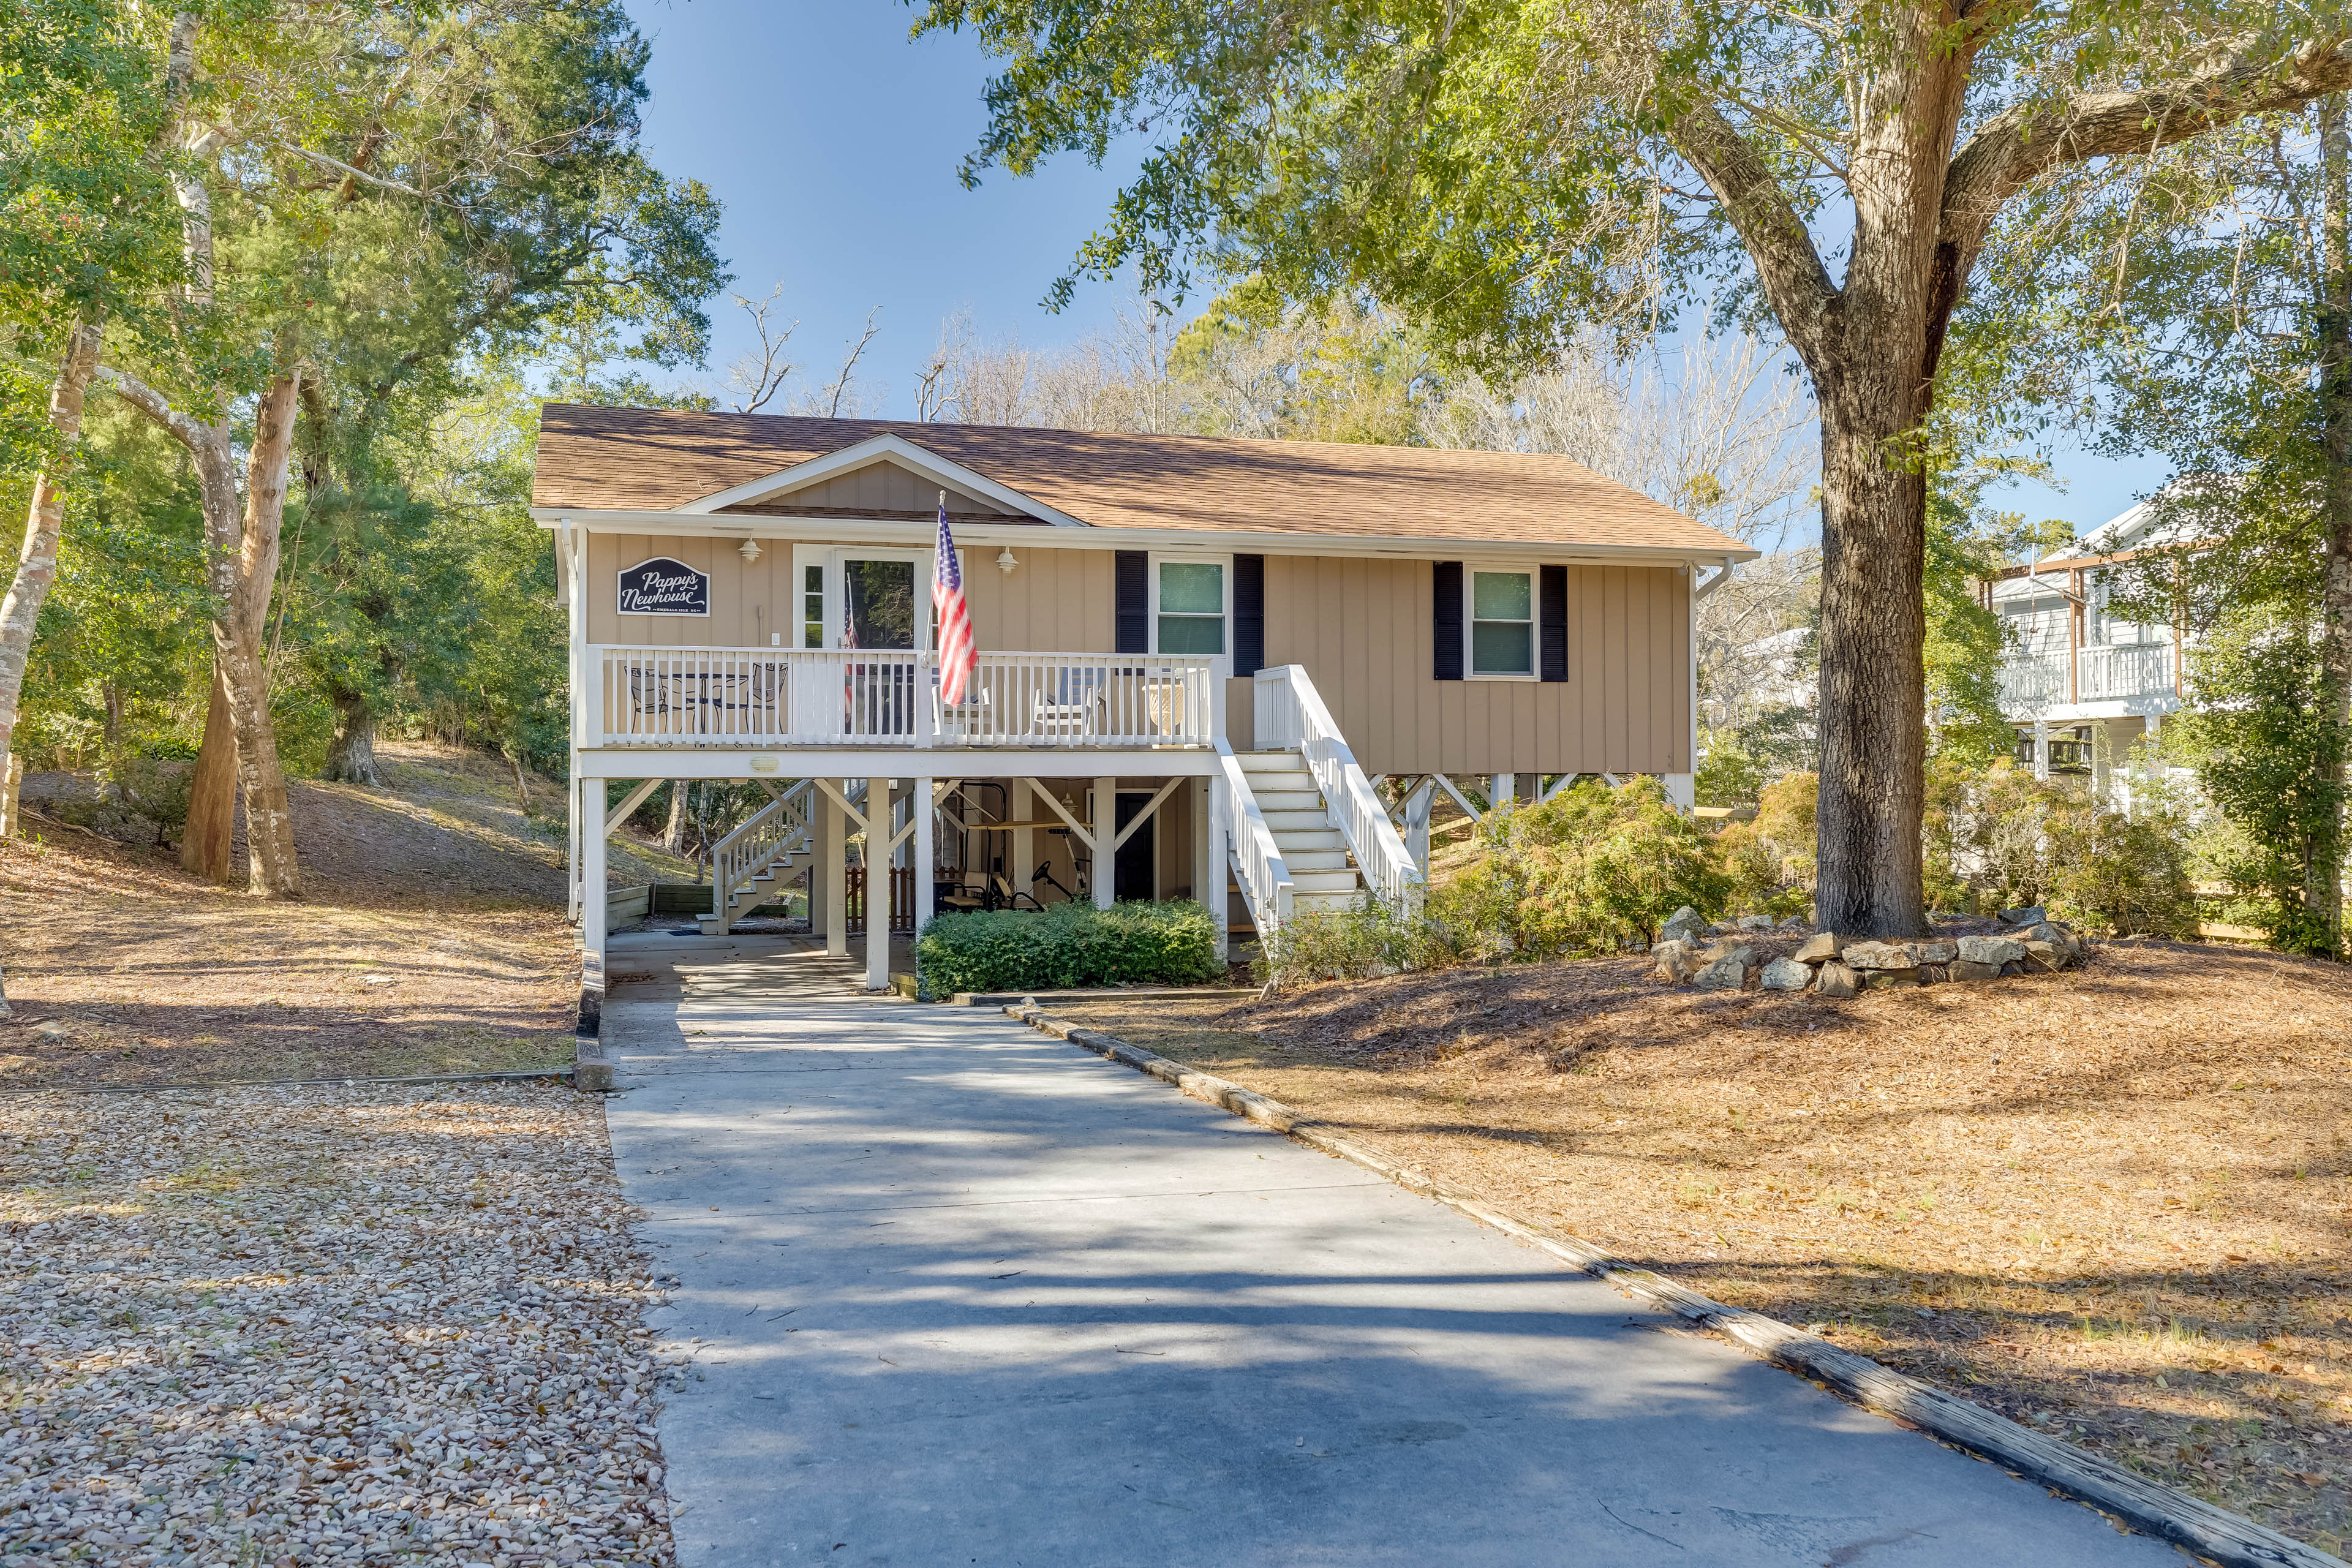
x=2113 y=1202
x=322 y=1325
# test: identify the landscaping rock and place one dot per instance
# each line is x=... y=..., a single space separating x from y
x=1936 y=952
x=1834 y=981
x=2057 y=936
x=1882 y=979
x=1971 y=970
x=2031 y=915
x=1933 y=973
x=1989 y=951
x=1678 y=962
x=1787 y=974
x=1728 y=973
x=1728 y=949
x=2012 y=969
x=1685 y=923
x=1794 y=923
x=1881 y=955
x=1752 y=922
x=1819 y=949
x=2046 y=956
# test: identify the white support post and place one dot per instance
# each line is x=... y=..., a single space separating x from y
x=1682 y=789
x=2042 y=749
x=1502 y=789
x=1103 y=822
x=1209 y=860
x=572 y=862
x=1416 y=822
x=832 y=870
x=878 y=856
x=1025 y=839
x=592 y=911
x=925 y=810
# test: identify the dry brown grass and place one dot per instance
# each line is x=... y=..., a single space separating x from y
x=2113 y=1202
x=432 y=940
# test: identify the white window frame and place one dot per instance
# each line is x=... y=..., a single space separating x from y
x=1223 y=662
x=1533 y=572
x=925 y=570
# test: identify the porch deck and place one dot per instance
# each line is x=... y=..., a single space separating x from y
x=824 y=697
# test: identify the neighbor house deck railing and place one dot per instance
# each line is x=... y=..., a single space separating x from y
x=791 y=696
x=2105 y=673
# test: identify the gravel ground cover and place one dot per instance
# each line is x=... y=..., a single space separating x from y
x=322 y=1325
x=2114 y=1202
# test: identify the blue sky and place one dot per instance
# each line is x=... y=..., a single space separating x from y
x=833 y=142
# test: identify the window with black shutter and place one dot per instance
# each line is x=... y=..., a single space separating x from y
x=1249 y=613
x=1132 y=572
x=1552 y=618
x=1446 y=618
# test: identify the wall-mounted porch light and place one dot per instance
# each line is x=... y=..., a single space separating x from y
x=749 y=550
x=1005 y=561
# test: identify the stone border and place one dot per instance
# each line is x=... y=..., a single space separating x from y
x=1103 y=994
x=522 y=1075
x=1839 y=968
x=2160 y=1510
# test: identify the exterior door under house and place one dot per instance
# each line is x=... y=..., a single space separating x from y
x=1196 y=657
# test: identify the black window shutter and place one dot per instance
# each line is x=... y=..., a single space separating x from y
x=1552 y=664
x=1446 y=618
x=1134 y=602
x=1249 y=613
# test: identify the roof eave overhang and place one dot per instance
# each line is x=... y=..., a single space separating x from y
x=896 y=532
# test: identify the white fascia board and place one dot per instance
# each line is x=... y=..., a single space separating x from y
x=898 y=450
x=895 y=532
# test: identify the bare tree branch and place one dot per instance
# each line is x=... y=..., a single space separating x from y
x=761 y=373
x=185 y=428
x=840 y=383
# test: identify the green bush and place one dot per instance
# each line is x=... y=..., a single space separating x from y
x=1068 y=945
x=1366 y=939
x=1592 y=870
x=2003 y=839
x=1771 y=860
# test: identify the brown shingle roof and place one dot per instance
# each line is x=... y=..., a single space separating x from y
x=657 y=460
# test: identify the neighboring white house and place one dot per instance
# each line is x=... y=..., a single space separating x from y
x=2082 y=684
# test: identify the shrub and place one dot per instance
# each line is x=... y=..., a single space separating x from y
x=2001 y=838
x=1591 y=870
x=1366 y=939
x=1068 y=945
x=1770 y=861
x=2124 y=874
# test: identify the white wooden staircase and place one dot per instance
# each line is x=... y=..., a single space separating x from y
x=746 y=865
x=1322 y=870
x=1303 y=828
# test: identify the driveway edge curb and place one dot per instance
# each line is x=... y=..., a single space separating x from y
x=2191 y=1523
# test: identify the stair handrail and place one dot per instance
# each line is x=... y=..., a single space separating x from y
x=1289 y=711
x=1249 y=845
x=755 y=843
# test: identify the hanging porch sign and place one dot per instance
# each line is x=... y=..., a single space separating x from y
x=664 y=587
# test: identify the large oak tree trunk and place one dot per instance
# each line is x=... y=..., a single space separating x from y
x=2324 y=869
x=1874 y=677
x=36 y=562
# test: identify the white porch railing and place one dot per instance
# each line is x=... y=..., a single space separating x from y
x=778 y=827
x=1289 y=711
x=1249 y=845
x=2107 y=674
x=792 y=697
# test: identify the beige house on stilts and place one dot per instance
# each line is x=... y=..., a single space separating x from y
x=1197 y=657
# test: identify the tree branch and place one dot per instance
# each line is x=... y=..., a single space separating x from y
x=2029 y=140
x=183 y=428
x=337 y=165
x=1797 y=284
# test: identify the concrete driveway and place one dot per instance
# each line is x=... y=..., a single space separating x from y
x=961 y=1293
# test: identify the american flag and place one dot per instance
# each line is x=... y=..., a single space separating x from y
x=957 y=655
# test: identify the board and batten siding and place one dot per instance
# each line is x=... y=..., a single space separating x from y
x=1365 y=631
x=1362 y=627
x=1056 y=601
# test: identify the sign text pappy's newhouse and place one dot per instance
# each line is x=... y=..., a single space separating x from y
x=664 y=587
